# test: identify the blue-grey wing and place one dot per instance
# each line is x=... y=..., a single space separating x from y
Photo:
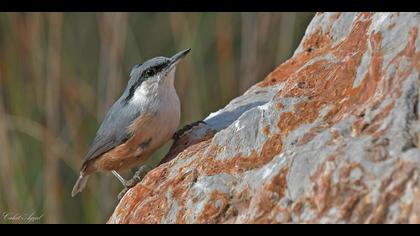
x=113 y=130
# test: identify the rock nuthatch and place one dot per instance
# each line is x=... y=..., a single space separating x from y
x=142 y=120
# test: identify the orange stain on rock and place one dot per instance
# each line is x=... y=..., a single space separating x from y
x=326 y=82
x=240 y=163
x=213 y=210
x=270 y=195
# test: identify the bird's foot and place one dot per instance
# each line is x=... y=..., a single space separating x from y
x=138 y=176
x=181 y=132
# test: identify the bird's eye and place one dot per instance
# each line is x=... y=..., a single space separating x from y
x=149 y=73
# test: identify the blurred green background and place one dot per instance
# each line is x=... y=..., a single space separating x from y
x=60 y=72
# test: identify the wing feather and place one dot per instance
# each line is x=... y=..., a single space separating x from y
x=113 y=130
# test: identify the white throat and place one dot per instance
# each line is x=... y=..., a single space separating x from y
x=154 y=88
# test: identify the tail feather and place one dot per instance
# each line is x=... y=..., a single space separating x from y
x=80 y=184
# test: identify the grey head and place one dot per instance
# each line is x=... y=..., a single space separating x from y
x=153 y=70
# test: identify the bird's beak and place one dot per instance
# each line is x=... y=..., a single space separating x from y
x=177 y=57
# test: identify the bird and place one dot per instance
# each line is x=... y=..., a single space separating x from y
x=142 y=120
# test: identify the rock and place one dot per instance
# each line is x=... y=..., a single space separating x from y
x=330 y=136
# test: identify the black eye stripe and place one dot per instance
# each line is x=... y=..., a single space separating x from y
x=153 y=70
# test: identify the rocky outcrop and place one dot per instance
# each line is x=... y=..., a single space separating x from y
x=330 y=136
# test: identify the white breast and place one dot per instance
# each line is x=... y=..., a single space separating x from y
x=169 y=113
